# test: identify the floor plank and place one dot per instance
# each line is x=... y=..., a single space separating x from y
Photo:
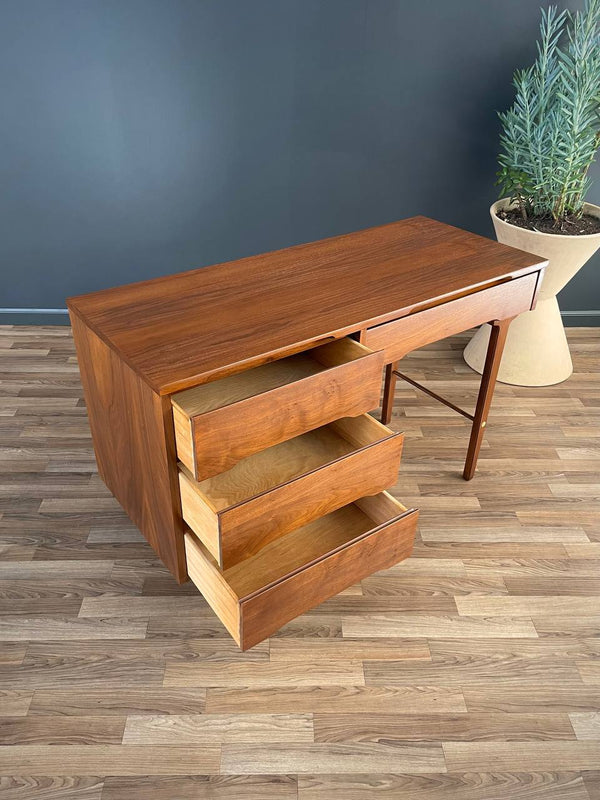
x=468 y=671
x=546 y=698
x=204 y=787
x=521 y=756
x=39 y=787
x=109 y=760
x=474 y=726
x=240 y=673
x=216 y=728
x=43 y=628
x=529 y=606
x=314 y=650
x=61 y=730
x=466 y=786
x=445 y=626
x=117 y=701
x=337 y=699
x=346 y=758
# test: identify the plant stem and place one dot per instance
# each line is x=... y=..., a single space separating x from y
x=522 y=207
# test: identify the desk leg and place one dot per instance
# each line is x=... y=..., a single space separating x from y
x=389 y=388
x=486 y=392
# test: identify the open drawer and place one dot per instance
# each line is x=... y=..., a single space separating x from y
x=219 y=423
x=271 y=492
x=300 y=570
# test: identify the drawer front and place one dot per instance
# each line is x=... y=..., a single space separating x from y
x=267 y=611
x=349 y=385
x=235 y=533
x=253 y=616
x=498 y=302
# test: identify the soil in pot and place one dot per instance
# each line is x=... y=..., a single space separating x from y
x=572 y=225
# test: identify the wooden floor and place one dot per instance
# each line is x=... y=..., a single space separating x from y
x=471 y=671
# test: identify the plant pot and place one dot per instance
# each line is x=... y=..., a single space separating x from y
x=536 y=351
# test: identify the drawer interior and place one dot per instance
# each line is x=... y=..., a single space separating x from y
x=288 y=460
x=302 y=569
x=224 y=392
x=301 y=547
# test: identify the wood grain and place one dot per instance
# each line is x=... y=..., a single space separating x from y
x=109 y=759
x=322 y=757
x=252 y=383
x=15 y=702
x=157 y=324
x=548 y=697
x=591 y=780
x=40 y=628
x=38 y=730
x=361 y=727
x=587 y=725
x=468 y=786
x=529 y=605
x=203 y=787
x=223 y=435
x=291 y=574
x=267 y=495
x=409 y=333
x=501 y=686
x=236 y=673
x=522 y=756
x=454 y=671
x=216 y=728
x=34 y=787
x=443 y=626
x=134 y=445
x=343 y=696
x=395 y=649
x=117 y=702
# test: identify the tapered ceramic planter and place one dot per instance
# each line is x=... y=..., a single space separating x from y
x=536 y=351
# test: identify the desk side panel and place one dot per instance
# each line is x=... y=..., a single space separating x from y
x=133 y=437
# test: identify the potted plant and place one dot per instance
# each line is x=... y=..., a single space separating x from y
x=549 y=139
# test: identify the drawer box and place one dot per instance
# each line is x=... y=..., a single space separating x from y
x=219 y=423
x=300 y=570
x=409 y=333
x=271 y=492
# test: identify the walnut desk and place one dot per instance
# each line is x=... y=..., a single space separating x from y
x=228 y=405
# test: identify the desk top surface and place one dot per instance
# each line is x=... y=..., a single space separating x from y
x=186 y=329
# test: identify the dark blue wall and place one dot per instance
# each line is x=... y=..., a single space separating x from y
x=142 y=137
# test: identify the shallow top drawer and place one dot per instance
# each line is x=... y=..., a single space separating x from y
x=219 y=423
x=501 y=301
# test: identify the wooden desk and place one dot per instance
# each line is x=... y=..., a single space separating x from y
x=228 y=405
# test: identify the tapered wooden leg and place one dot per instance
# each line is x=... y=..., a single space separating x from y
x=389 y=387
x=486 y=392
